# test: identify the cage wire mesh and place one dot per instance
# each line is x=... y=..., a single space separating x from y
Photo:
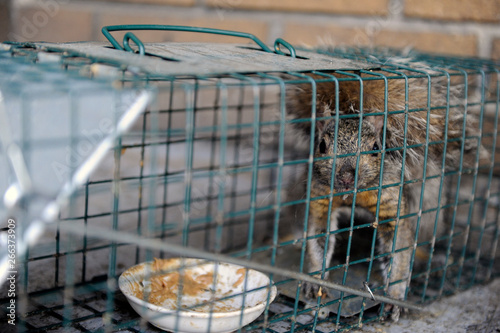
x=112 y=159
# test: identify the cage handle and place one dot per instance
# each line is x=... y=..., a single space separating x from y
x=281 y=42
x=129 y=36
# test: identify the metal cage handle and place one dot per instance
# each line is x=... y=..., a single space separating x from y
x=129 y=36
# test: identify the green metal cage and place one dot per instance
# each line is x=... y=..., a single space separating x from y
x=114 y=155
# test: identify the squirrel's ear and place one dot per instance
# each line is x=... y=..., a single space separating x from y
x=320 y=125
x=377 y=122
x=323 y=112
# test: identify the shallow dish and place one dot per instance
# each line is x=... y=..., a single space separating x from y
x=213 y=294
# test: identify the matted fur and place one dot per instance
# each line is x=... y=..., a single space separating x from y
x=428 y=125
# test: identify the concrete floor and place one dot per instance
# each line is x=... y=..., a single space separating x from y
x=475 y=310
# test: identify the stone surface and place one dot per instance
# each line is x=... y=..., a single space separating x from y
x=474 y=310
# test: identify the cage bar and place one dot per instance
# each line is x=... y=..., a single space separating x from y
x=112 y=159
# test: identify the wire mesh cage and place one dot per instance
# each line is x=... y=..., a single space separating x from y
x=239 y=187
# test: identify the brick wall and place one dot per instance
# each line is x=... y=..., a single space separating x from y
x=4 y=19
x=460 y=27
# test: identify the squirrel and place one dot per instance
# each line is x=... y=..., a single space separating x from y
x=390 y=203
x=420 y=118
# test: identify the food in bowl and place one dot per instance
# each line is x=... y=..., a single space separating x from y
x=214 y=296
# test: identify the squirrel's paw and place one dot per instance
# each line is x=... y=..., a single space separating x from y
x=394 y=311
x=312 y=290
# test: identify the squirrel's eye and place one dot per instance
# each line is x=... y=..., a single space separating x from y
x=375 y=147
x=322 y=147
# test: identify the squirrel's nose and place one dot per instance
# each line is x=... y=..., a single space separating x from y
x=345 y=177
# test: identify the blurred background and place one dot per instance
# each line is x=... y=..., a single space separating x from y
x=458 y=27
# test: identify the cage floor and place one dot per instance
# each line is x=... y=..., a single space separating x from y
x=474 y=310
x=83 y=309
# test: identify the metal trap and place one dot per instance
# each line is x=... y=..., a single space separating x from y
x=115 y=155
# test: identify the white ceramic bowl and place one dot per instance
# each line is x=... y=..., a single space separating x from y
x=220 y=316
